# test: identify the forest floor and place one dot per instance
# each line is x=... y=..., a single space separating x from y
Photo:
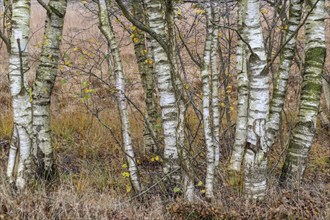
x=91 y=183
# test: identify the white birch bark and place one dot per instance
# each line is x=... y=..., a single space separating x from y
x=168 y=101
x=108 y=32
x=187 y=171
x=280 y=85
x=18 y=67
x=215 y=83
x=43 y=86
x=255 y=170
x=243 y=97
x=205 y=75
x=302 y=135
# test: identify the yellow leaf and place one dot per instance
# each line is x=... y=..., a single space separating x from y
x=125 y=174
x=200 y=183
x=200 y=11
x=136 y=40
x=128 y=188
x=124 y=166
x=157 y=158
x=263 y=11
x=203 y=191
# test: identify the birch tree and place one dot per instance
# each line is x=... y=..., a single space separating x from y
x=280 y=85
x=108 y=32
x=302 y=135
x=166 y=89
x=145 y=65
x=43 y=86
x=187 y=169
x=255 y=169
x=215 y=82
x=205 y=75
x=243 y=98
x=20 y=92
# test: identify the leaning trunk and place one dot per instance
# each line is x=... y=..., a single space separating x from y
x=302 y=135
x=108 y=32
x=280 y=86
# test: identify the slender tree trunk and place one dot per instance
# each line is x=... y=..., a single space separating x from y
x=107 y=30
x=205 y=75
x=280 y=86
x=215 y=84
x=43 y=86
x=165 y=82
x=302 y=138
x=243 y=100
x=188 y=175
x=145 y=65
x=18 y=68
x=255 y=170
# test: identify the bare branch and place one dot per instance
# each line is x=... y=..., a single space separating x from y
x=142 y=26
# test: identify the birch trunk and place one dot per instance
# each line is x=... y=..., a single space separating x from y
x=108 y=32
x=243 y=100
x=188 y=175
x=302 y=136
x=255 y=169
x=215 y=84
x=145 y=65
x=168 y=101
x=18 y=68
x=280 y=86
x=205 y=75
x=43 y=86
